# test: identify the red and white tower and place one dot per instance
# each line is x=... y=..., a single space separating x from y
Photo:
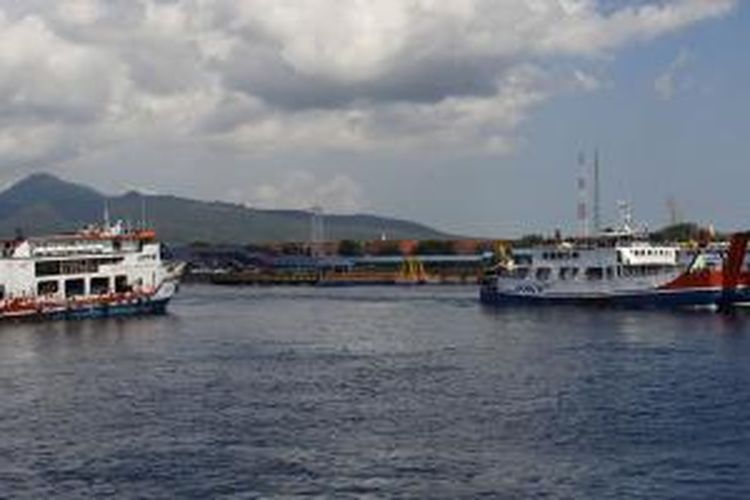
x=582 y=212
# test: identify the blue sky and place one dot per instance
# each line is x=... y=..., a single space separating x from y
x=466 y=115
x=693 y=147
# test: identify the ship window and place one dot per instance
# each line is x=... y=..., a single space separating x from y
x=521 y=273
x=80 y=266
x=594 y=273
x=568 y=273
x=47 y=268
x=75 y=287
x=2 y=292
x=99 y=285
x=523 y=259
x=121 y=284
x=543 y=273
x=610 y=273
x=48 y=287
x=575 y=255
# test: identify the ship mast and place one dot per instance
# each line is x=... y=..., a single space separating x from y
x=143 y=212
x=106 y=213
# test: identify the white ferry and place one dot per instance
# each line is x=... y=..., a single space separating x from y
x=100 y=271
x=617 y=271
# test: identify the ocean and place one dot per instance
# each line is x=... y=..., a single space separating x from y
x=382 y=392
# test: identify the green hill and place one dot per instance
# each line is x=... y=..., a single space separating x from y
x=42 y=203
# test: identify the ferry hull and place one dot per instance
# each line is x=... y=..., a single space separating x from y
x=91 y=311
x=655 y=299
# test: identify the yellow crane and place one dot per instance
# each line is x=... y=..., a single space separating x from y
x=412 y=271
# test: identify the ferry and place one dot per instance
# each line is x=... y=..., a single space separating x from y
x=622 y=271
x=100 y=271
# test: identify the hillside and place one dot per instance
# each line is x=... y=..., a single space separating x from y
x=42 y=203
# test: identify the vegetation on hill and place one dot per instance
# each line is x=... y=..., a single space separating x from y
x=42 y=203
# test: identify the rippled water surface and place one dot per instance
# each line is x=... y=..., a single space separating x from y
x=379 y=392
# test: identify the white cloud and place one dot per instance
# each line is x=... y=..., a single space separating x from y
x=81 y=12
x=587 y=81
x=303 y=190
x=265 y=75
x=666 y=83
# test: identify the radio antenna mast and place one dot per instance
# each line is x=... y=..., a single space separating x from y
x=583 y=216
x=597 y=207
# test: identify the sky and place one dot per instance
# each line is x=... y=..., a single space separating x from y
x=467 y=115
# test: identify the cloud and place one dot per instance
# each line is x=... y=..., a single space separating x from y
x=666 y=83
x=270 y=75
x=303 y=190
x=587 y=81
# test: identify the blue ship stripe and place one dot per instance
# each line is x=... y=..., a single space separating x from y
x=147 y=307
x=693 y=297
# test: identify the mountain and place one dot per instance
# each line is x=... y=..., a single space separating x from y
x=43 y=203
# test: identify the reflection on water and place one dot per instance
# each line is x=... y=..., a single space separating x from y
x=376 y=391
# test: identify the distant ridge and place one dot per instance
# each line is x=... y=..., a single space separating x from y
x=43 y=203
